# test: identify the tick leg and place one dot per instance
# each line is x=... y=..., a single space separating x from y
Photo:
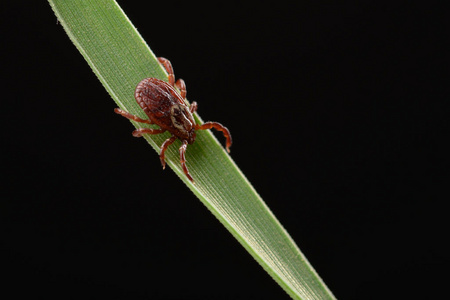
x=164 y=147
x=183 y=160
x=220 y=127
x=168 y=66
x=140 y=131
x=182 y=87
x=193 y=107
x=130 y=116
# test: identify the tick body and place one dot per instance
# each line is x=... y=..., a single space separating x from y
x=164 y=104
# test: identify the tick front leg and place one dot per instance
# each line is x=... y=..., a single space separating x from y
x=183 y=160
x=130 y=116
x=219 y=127
x=140 y=131
x=164 y=147
x=168 y=66
x=193 y=107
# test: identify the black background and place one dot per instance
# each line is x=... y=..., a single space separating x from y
x=338 y=119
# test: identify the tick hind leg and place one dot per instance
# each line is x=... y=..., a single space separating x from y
x=130 y=116
x=182 y=87
x=140 y=131
x=183 y=160
x=168 y=67
x=219 y=127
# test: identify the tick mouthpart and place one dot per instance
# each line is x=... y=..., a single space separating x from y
x=192 y=136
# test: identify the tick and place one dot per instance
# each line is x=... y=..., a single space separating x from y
x=164 y=104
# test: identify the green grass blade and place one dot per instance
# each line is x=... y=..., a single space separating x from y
x=120 y=58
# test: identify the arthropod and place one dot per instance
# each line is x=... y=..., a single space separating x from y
x=165 y=106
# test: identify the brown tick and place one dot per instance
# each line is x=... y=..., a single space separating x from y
x=166 y=107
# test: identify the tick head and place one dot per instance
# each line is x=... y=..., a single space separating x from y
x=183 y=123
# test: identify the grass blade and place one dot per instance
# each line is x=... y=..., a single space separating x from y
x=120 y=58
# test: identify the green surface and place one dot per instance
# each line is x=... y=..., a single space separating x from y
x=121 y=59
